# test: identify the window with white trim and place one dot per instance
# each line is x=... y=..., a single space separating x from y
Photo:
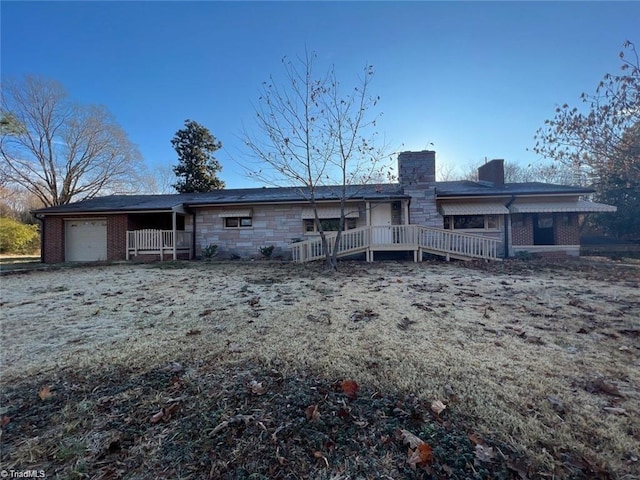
x=238 y=222
x=328 y=224
x=472 y=222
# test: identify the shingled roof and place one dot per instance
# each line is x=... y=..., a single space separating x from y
x=159 y=203
x=466 y=188
x=240 y=196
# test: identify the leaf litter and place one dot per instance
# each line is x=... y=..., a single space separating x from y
x=513 y=357
x=304 y=427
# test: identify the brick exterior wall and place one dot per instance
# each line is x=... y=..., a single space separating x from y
x=567 y=233
x=53 y=241
x=523 y=235
x=117 y=237
x=566 y=230
x=54 y=237
x=417 y=175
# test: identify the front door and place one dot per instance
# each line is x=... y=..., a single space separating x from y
x=543 y=229
x=381 y=221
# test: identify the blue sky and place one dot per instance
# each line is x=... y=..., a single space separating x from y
x=476 y=79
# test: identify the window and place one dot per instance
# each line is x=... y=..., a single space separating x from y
x=545 y=220
x=472 y=222
x=328 y=224
x=517 y=220
x=237 y=222
x=567 y=219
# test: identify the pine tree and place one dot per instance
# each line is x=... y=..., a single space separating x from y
x=197 y=168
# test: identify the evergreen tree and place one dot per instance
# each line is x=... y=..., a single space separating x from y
x=197 y=168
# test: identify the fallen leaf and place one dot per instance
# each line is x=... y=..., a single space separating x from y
x=437 y=407
x=405 y=323
x=534 y=340
x=484 y=453
x=474 y=439
x=407 y=437
x=312 y=413
x=556 y=403
x=600 y=385
x=317 y=454
x=158 y=416
x=350 y=388
x=421 y=456
x=4 y=421
x=174 y=367
x=45 y=393
x=419 y=453
x=237 y=419
x=616 y=410
x=165 y=413
x=257 y=388
x=448 y=389
x=519 y=467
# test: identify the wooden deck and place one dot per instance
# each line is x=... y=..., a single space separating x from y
x=158 y=242
x=406 y=238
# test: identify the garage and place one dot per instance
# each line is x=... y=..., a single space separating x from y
x=85 y=240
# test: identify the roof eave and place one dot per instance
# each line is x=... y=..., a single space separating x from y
x=510 y=194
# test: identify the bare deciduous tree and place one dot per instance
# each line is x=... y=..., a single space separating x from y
x=602 y=141
x=516 y=173
x=311 y=134
x=59 y=150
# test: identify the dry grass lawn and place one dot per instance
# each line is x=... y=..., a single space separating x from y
x=542 y=359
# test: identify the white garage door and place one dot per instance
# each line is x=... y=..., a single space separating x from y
x=85 y=240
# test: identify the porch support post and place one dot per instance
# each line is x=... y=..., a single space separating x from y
x=405 y=204
x=174 y=223
x=367 y=211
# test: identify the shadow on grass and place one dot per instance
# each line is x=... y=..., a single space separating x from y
x=200 y=419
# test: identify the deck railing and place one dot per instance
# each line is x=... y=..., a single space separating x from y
x=160 y=242
x=415 y=238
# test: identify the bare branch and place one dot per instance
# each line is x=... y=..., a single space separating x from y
x=62 y=151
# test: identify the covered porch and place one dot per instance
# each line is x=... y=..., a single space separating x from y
x=160 y=235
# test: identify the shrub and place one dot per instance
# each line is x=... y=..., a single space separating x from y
x=267 y=251
x=16 y=237
x=524 y=255
x=209 y=252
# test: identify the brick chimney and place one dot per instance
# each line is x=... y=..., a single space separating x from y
x=417 y=177
x=492 y=172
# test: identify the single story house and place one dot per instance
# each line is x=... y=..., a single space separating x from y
x=484 y=219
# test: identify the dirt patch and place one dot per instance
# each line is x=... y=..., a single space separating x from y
x=538 y=362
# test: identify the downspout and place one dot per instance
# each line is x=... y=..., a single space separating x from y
x=506 y=228
x=193 y=235
x=41 y=219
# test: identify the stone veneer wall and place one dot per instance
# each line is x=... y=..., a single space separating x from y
x=276 y=225
x=417 y=175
